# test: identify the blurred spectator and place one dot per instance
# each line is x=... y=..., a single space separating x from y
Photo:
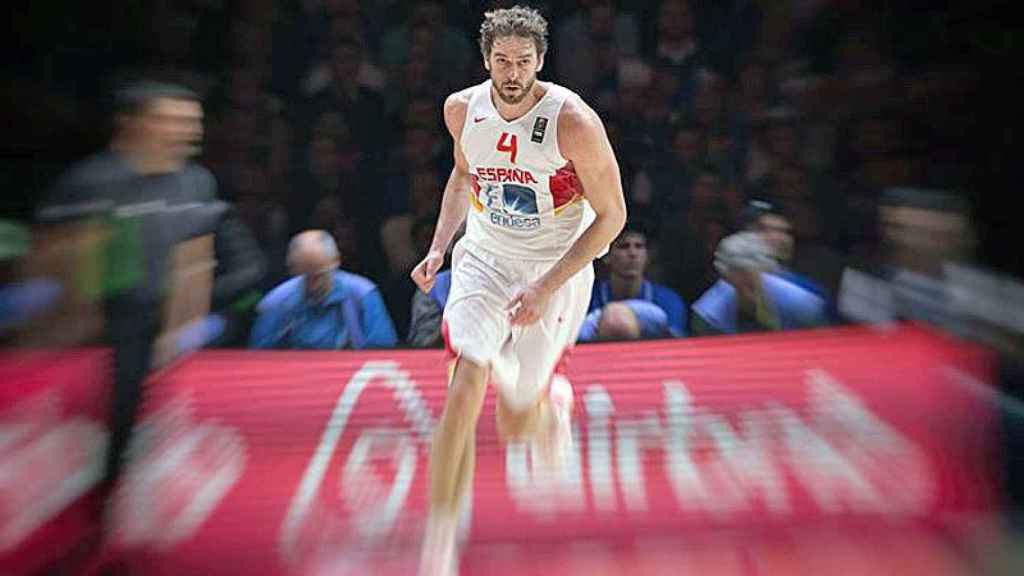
x=709 y=101
x=924 y=232
x=322 y=307
x=262 y=210
x=750 y=297
x=152 y=197
x=424 y=199
x=676 y=43
x=594 y=27
x=427 y=310
x=776 y=230
x=629 y=108
x=867 y=76
x=664 y=185
x=345 y=24
x=331 y=216
x=626 y=305
x=360 y=107
x=398 y=242
x=420 y=151
x=690 y=235
x=251 y=118
x=250 y=45
x=426 y=25
x=20 y=299
x=336 y=166
x=775 y=143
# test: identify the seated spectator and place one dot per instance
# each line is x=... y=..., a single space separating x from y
x=750 y=297
x=628 y=306
x=774 y=227
x=427 y=309
x=926 y=234
x=322 y=307
x=21 y=299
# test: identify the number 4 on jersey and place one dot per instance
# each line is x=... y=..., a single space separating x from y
x=508 y=143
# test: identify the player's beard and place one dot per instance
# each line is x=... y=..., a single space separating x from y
x=523 y=92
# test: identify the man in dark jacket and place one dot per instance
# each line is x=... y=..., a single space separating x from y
x=149 y=197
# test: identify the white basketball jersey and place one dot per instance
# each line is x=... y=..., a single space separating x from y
x=526 y=201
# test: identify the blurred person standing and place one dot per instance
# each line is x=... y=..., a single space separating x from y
x=626 y=305
x=750 y=297
x=321 y=307
x=151 y=197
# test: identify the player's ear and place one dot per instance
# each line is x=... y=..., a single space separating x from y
x=540 y=62
x=487 y=63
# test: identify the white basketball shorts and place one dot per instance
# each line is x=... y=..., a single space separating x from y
x=522 y=358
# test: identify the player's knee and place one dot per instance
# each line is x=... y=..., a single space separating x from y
x=618 y=322
x=512 y=425
x=469 y=381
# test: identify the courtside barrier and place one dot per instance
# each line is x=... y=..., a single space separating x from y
x=316 y=462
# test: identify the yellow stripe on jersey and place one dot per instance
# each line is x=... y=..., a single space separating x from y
x=575 y=199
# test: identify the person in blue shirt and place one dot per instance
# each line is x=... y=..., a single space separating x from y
x=322 y=307
x=750 y=297
x=627 y=306
x=776 y=230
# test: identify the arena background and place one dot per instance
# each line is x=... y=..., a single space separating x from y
x=859 y=450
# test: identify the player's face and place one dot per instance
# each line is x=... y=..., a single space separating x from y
x=513 y=64
x=629 y=256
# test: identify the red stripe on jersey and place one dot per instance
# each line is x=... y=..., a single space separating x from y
x=565 y=186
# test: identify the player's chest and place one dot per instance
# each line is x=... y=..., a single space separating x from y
x=527 y=144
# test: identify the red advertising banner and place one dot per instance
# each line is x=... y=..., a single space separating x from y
x=52 y=439
x=312 y=462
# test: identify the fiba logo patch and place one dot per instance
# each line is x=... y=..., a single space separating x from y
x=511 y=206
x=540 y=127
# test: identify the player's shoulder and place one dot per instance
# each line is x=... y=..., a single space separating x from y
x=576 y=118
x=456 y=106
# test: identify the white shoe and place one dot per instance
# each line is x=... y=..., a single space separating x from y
x=438 y=556
x=553 y=446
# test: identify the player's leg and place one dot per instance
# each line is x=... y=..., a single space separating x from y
x=453 y=433
x=476 y=327
x=451 y=465
x=539 y=406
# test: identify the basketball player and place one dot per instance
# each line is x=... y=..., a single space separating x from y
x=539 y=181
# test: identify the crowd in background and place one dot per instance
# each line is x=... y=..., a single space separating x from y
x=326 y=114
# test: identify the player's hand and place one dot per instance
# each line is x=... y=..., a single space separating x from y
x=425 y=272
x=528 y=305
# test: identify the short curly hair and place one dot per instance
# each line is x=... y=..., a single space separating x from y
x=519 y=21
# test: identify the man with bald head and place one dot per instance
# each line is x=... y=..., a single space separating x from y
x=321 y=307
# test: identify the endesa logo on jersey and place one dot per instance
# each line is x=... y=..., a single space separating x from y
x=509 y=205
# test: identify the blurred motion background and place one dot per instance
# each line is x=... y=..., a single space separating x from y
x=871 y=146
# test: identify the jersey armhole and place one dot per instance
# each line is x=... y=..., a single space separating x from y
x=562 y=160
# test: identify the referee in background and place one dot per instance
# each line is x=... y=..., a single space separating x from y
x=148 y=196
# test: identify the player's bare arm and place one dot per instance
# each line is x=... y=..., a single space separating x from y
x=582 y=140
x=455 y=202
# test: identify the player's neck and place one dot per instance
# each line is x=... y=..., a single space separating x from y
x=512 y=112
x=624 y=288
